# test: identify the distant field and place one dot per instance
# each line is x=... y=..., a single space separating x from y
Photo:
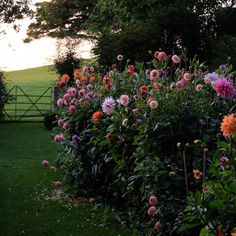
x=36 y=77
x=33 y=82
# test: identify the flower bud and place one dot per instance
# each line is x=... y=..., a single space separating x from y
x=178 y=145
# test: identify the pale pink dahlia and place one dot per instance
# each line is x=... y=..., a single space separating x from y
x=224 y=88
x=175 y=59
x=123 y=100
x=108 y=106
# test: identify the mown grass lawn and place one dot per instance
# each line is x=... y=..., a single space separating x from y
x=25 y=185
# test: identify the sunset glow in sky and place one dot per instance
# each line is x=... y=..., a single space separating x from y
x=16 y=55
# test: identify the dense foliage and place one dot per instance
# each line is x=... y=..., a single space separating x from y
x=127 y=135
x=66 y=59
x=132 y=27
x=11 y=10
x=3 y=94
x=213 y=209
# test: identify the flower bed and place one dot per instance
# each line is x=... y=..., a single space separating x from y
x=130 y=135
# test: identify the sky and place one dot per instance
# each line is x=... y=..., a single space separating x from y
x=17 y=55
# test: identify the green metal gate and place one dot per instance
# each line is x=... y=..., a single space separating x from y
x=28 y=103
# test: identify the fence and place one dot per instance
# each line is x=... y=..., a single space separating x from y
x=28 y=103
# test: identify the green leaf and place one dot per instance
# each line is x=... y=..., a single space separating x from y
x=204 y=232
x=222 y=144
x=197 y=197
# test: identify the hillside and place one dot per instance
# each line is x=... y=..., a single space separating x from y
x=33 y=77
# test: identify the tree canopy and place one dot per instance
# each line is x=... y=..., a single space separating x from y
x=135 y=26
x=11 y=10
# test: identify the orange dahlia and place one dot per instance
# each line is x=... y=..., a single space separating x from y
x=96 y=116
x=228 y=125
x=197 y=173
x=77 y=74
x=65 y=78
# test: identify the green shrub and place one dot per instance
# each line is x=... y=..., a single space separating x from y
x=212 y=209
x=3 y=94
x=136 y=150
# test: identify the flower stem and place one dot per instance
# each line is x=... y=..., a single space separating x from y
x=185 y=172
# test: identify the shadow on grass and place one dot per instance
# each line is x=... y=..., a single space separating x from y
x=26 y=187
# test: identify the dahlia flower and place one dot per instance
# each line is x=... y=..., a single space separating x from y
x=175 y=59
x=45 y=163
x=108 y=105
x=71 y=91
x=60 y=102
x=224 y=88
x=153 y=200
x=59 y=138
x=96 y=116
x=211 y=77
x=162 y=56
x=151 y=211
x=120 y=57
x=157 y=226
x=197 y=173
x=153 y=104
x=228 y=125
x=199 y=87
x=76 y=138
x=154 y=74
x=123 y=100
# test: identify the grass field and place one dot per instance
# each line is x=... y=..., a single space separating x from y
x=33 y=83
x=38 y=77
x=25 y=186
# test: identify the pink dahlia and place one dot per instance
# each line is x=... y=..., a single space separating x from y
x=123 y=100
x=66 y=97
x=58 y=84
x=151 y=211
x=175 y=59
x=157 y=226
x=108 y=106
x=154 y=74
x=72 y=108
x=162 y=56
x=224 y=88
x=180 y=84
x=66 y=125
x=81 y=93
x=59 y=138
x=60 y=122
x=45 y=163
x=71 y=91
x=89 y=87
x=60 y=102
x=84 y=69
x=57 y=184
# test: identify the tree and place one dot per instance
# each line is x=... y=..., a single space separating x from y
x=11 y=10
x=60 y=19
x=170 y=25
x=66 y=60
